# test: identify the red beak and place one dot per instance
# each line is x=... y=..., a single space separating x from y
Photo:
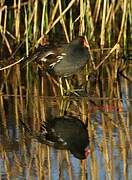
x=87 y=151
x=85 y=43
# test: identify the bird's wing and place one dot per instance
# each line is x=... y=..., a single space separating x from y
x=52 y=137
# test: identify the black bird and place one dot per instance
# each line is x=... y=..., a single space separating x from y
x=67 y=132
x=64 y=60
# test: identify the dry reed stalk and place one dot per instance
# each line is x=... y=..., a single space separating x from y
x=63 y=22
x=112 y=146
x=3 y=116
x=126 y=128
x=71 y=26
x=102 y=35
x=93 y=163
x=43 y=156
x=68 y=85
x=43 y=86
x=84 y=108
x=2 y=2
x=49 y=162
x=110 y=81
x=61 y=86
x=67 y=106
x=7 y=67
x=17 y=164
x=29 y=18
x=44 y=22
x=127 y=131
x=2 y=109
x=36 y=120
x=89 y=27
x=42 y=105
x=81 y=26
x=6 y=74
x=6 y=41
x=28 y=90
x=83 y=170
x=94 y=168
x=95 y=136
x=6 y=164
x=16 y=108
x=53 y=81
x=17 y=19
x=58 y=19
x=5 y=18
x=91 y=55
x=38 y=163
x=29 y=165
x=130 y=18
x=97 y=88
x=125 y=32
x=116 y=47
x=26 y=33
x=53 y=14
x=35 y=20
x=34 y=109
x=96 y=11
x=123 y=151
x=61 y=106
x=41 y=164
x=105 y=148
x=124 y=15
x=126 y=87
x=103 y=90
x=110 y=11
x=3 y=28
x=20 y=90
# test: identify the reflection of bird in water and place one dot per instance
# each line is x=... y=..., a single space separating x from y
x=67 y=132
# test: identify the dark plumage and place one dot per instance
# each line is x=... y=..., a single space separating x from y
x=64 y=60
x=67 y=132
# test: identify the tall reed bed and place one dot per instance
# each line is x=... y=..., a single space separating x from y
x=24 y=25
x=105 y=22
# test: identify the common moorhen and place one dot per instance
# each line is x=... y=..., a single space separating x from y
x=64 y=60
x=67 y=132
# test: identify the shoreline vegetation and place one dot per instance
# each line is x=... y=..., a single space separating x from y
x=29 y=93
x=26 y=24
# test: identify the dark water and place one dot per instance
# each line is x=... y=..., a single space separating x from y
x=24 y=157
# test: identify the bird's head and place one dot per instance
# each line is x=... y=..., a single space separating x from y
x=81 y=153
